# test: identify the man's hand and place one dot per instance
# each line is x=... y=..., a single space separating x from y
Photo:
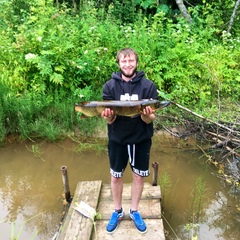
x=148 y=114
x=108 y=115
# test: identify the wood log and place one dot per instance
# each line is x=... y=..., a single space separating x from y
x=66 y=184
x=155 y=173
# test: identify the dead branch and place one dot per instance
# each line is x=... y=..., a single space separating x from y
x=223 y=137
x=231 y=151
x=206 y=119
x=220 y=143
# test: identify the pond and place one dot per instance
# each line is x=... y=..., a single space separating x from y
x=194 y=200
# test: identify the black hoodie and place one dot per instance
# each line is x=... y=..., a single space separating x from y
x=129 y=130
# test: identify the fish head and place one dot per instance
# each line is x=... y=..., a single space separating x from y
x=156 y=104
x=162 y=104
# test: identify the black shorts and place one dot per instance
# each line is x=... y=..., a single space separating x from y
x=138 y=156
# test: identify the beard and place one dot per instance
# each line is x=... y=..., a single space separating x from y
x=129 y=74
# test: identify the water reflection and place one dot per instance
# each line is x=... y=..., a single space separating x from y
x=31 y=188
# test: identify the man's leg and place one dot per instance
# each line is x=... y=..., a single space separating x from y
x=118 y=161
x=117 y=215
x=140 y=164
x=117 y=189
x=137 y=188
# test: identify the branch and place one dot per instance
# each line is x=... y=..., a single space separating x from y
x=206 y=119
x=223 y=137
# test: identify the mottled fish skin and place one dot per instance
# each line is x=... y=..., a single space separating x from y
x=122 y=108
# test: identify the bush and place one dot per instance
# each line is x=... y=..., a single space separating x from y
x=54 y=57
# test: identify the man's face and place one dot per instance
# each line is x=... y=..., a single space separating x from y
x=128 y=65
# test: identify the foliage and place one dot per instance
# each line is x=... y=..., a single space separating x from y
x=54 y=56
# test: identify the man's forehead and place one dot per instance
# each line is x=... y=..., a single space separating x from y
x=130 y=55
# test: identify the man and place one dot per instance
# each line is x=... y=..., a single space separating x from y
x=129 y=137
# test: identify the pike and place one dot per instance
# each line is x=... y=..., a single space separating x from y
x=122 y=108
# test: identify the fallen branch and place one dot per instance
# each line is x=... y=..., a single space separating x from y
x=220 y=143
x=171 y=132
x=206 y=119
x=223 y=137
x=224 y=143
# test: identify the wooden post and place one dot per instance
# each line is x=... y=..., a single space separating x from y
x=155 y=173
x=66 y=184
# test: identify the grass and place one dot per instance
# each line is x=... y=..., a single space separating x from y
x=16 y=235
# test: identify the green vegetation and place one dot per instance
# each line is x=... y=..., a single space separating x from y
x=55 y=54
x=16 y=235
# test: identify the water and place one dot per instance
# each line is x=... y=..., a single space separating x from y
x=195 y=201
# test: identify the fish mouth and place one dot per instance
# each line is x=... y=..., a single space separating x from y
x=164 y=104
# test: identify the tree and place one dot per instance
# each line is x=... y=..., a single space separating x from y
x=184 y=10
x=233 y=15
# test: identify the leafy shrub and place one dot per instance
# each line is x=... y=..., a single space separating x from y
x=54 y=57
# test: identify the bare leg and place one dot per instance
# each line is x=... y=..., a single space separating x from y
x=117 y=189
x=137 y=188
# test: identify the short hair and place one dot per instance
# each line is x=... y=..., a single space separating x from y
x=126 y=52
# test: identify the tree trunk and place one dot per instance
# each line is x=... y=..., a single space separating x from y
x=184 y=11
x=233 y=15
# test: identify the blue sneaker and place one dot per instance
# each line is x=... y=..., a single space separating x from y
x=114 y=221
x=139 y=223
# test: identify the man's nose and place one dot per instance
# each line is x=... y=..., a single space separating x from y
x=128 y=63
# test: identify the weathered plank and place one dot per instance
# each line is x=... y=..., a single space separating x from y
x=128 y=231
x=149 y=191
x=75 y=225
x=149 y=204
x=149 y=207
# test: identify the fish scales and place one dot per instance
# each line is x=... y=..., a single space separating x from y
x=122 y=108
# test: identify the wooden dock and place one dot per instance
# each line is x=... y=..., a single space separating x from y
x=98 y=196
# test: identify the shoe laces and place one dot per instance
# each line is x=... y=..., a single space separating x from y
x=114 y=217
x=137 y=217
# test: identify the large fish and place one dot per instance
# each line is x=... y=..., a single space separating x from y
x=122 y=108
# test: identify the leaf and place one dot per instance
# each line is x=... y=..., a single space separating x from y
x=59 y=68
x=229 y=181
x=57 y=78
x=47 y=52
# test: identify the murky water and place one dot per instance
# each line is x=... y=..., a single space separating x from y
x=195 y=202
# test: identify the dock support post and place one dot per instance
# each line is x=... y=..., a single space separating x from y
x=66 y=184
x=155 y=173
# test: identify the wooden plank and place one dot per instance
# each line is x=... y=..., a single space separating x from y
x=149 y=206
x=127 y=230
x=149 y=191
x=75 y=225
